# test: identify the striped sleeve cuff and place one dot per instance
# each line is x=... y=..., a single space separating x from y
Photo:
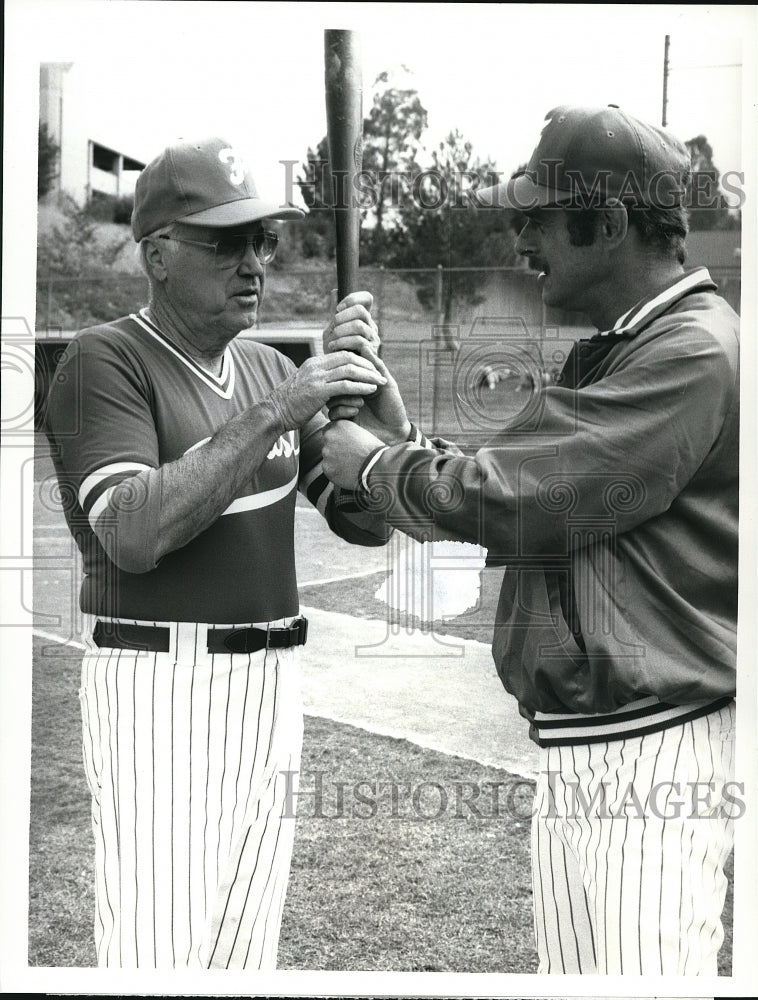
x=416 y=436
x=368 y=465
x=97 y=488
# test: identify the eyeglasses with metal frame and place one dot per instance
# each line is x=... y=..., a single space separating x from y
x=230 y=250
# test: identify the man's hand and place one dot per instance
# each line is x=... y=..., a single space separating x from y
x=346 y=447
x=353 y=329
x=321 y=379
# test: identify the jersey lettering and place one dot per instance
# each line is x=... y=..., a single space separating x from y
x=285 y=446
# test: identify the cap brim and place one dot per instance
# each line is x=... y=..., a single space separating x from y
x=237 y=213
x=520 y=193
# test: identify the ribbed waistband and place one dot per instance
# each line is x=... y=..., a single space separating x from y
x=638 y=718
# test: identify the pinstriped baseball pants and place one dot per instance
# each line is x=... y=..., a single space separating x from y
x=189 y=758
x=629 y=842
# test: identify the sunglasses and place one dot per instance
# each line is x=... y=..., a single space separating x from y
x=230 y=250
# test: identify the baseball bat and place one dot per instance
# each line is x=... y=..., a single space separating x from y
x=344 y=131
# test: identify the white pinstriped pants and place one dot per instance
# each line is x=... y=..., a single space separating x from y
x=191 y=813
x=629 y=842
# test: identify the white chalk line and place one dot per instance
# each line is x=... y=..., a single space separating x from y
x=339 y=579
x=51 y=637
x=387 y=731
x=399 y=734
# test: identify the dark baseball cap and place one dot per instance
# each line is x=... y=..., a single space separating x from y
x=200 y=183
x=589 y=154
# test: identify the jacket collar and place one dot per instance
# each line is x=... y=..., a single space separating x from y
x=648 y=309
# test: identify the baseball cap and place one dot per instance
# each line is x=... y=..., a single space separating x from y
x=586 y=155
x=200 y=183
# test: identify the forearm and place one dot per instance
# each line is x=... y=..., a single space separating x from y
x=386 y=435
x=160 y=510
x=522 y=500
x=197 y=488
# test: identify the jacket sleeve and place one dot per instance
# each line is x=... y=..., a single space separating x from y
x=341 y=509
x=618 y=451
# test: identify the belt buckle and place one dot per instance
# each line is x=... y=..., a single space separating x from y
x=294 y=634
x=252 y=640
x=302 y=631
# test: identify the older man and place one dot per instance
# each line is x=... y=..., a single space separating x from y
x=180 y=449
x=615 y=513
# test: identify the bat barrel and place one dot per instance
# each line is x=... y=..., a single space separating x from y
x=344 y=117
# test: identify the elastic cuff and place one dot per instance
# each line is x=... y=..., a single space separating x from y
x=368 y=465
x=417 y=436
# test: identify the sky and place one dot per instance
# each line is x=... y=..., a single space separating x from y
x=154 y=70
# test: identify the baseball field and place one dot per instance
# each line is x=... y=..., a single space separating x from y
x=406 y=835
x=412 y=821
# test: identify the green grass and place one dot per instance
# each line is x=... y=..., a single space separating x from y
x=397 y=891
x=415 y=887
x=61 y=849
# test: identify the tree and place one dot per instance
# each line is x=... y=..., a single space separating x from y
x=391 y=135
x=76 y=247
x=48 y=153
x=709 y=208
x=317 y=239
x=439 y=226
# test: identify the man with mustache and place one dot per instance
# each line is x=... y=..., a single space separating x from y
x=615 y=513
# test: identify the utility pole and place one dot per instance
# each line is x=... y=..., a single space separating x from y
x=665 y=79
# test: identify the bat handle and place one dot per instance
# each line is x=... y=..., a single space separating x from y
x=334 y=299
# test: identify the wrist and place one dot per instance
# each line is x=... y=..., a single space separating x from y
x=396 y=436
x=407 y=432
x=269 y=416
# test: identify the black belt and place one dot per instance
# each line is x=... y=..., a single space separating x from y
x=156 y=638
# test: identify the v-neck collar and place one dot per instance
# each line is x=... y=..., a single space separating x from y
x=222 y=384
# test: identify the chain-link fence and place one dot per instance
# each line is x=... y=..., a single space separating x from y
x=71 y=302
x=304 y=296
x=468 y=346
